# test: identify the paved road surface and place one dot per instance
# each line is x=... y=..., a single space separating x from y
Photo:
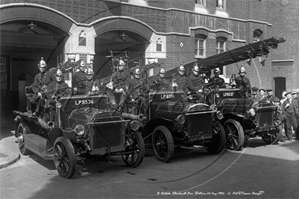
x=259 y=171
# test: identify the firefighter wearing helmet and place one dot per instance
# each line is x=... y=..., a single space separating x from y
x=120 y=83
x=58 y=87
x=161 y=82
x=180 y=79
x=195 y=80
x=219 y=81
x=91 y=85
x=243 y=83
x=135 y=84
x=39 y=85
x=79 y=77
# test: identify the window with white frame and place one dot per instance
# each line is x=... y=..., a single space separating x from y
x=257 y=35
x=200 y=2
x=138 y=2
x=159 y=45
x=221 y=4
x=220 y=48
x=200 y=46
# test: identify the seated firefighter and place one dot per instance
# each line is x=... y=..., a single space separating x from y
x=219 y=81
x=39 y=86
x=56 y=89
x=160 y=82
x=243 y=83
x=195 y=83
x=120 y=83
x=134 y=87
x=180 y=79
x=89 y=86
x=79 y=76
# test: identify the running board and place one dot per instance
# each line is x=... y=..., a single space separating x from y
x=37 y=145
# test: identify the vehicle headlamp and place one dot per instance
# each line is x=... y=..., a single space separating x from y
x=58 y=105
x=251 y=112
x=79 y=129
x=219 y=115
x=135 y=125
x=180 y=119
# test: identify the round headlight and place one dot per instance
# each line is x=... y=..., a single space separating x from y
x=135 y=125
x=79 y=129
x=180 y=119
x=58 y=105
x=251 y=112
x=219 y=115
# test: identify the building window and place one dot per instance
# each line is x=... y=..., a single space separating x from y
x=138 y=2
x=200 y=46
x=82 y=38
x=159 y=45
x=257 y=35
x=220 y=48
x=200 y=2
x=221 y=4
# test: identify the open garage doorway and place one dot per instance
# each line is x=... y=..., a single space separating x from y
x=118 y=43
x=23 y=43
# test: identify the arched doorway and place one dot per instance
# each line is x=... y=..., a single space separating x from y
x=25 y=38
x=120 y=36
x=280 y=86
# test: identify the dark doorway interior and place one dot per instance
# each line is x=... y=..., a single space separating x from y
x=280 y=86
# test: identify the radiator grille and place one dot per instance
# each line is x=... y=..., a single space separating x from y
x=265 y=116
x=103 y=135
x=199 y=124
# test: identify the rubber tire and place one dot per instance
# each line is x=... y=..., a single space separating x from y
x=218 y=143
x=21 y=129
x=71 y=159
x=277 y=137
x=239 y=134
x=139 y=149
x=166 y=142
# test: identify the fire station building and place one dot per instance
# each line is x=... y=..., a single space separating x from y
x=170 y=32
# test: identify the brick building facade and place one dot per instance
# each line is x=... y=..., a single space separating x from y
x=167 y=31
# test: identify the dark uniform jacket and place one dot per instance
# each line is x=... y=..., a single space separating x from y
x=161 y=83
x=78 y=78
x=181 y=81
x=89 y=85
x=41 y=81
x=134 y=87
x=219 y=81
x=243 y=83
x=57 y=88
x=195 y=83
x=120 y=80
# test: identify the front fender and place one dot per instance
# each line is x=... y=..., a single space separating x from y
x=152 y=124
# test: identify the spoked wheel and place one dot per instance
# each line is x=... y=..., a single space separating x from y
x=218 y=141
x=64 y=157
x=21 y=131
x=137 y=146
x=162 y=143
x=234 y=134
x=272 y=137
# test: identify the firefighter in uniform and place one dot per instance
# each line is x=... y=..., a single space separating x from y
x=39 y=86
x=120 y=83
x=79 y=77
x=180 y=79
x=243 y=83
x=57 y=88
x=195 y=82
x=89 y=86
x=134 y=90
x=160 y=81
x=220 y=82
